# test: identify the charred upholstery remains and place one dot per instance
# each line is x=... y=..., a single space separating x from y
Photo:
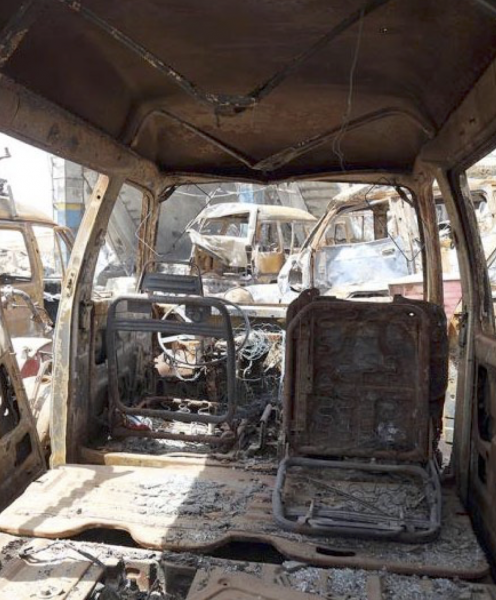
x=357 y=385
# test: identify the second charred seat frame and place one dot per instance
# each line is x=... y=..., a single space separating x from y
x=342 y=370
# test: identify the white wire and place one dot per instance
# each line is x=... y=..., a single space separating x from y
x=336 y=144
x=136 y=234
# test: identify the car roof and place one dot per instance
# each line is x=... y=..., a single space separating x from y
x=265 y=212
x=243 y=90
x=18 y=211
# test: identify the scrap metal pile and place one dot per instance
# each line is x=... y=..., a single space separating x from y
x=103 y=572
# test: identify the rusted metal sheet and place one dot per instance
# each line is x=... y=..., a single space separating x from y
x=136 y=573
x=225 y=103
x=16 y=29
x=62 y=579
x=36 y=121
x=195 y=507
x=246 y=587
x=21 y=459
x=262 y=69
x=199 y=507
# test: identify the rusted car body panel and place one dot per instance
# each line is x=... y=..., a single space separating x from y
x=34 y=252
x=146 y=107
x=21 y=459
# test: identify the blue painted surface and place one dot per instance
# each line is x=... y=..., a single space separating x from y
x=70 y=217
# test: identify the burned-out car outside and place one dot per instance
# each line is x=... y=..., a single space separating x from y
x=34 y=252
x=362 y=246
x=239 y=244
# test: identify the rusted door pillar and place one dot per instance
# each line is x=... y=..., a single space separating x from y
x=380 y=221
x=433 y=272
x=70 y=395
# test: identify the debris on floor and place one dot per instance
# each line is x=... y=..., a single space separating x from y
x=101 y=571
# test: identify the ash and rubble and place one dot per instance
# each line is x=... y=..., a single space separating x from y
x=154 y=446
x=456 y=548
x=225 y=508
x=191 y=496
x=348 y=584
x=387 y=494
x=175 y=576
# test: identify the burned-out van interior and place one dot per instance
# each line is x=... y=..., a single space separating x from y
x=283 y=437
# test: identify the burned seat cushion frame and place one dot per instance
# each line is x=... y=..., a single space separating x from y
x=144 y=321
x=356 y=399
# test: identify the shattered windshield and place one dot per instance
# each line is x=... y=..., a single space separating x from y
x=14 y=257
x=234 y=226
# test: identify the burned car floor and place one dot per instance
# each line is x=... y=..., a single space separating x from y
x=272 y=459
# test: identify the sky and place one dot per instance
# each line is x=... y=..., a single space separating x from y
x=28 y=173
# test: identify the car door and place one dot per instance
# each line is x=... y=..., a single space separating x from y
x=475 y=419
x=21 y=458
x=268 y=255
x=20 y=269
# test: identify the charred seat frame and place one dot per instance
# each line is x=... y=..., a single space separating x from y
x=140 y=303
x=318 y=377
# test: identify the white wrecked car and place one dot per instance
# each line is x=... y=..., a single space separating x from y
x=241 y=244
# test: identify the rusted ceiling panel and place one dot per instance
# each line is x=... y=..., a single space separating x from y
x=260 y=90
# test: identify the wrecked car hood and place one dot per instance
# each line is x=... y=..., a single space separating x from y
x=230 y=250
x=360 y=265
x=346 y=267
